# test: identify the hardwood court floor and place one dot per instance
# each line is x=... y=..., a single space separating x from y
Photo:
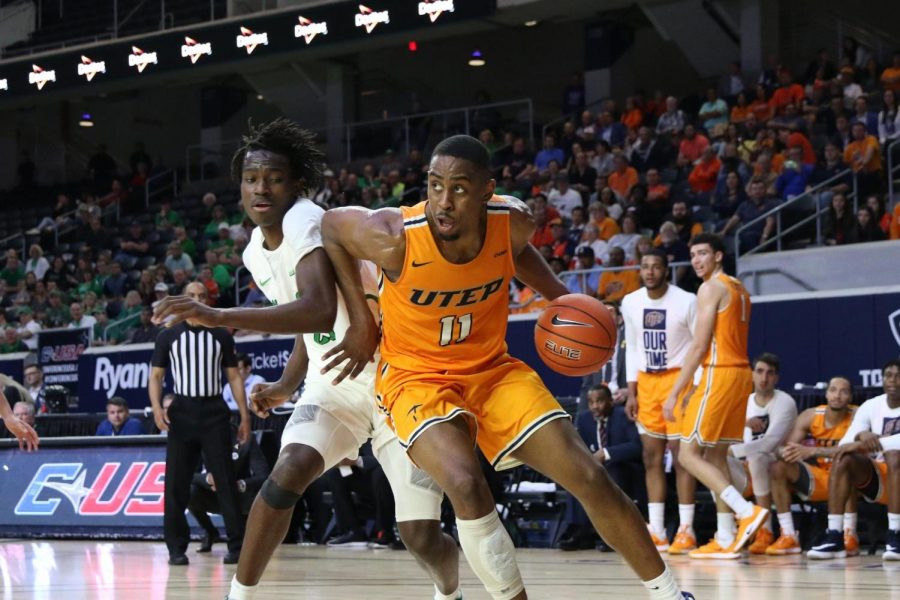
x=90 y=570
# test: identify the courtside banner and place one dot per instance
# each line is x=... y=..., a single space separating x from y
x=125 y=370
x=86 y=487
x=58 y=353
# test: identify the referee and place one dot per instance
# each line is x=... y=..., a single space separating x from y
x=198 y=420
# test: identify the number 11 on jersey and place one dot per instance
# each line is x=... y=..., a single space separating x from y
x=449 y=322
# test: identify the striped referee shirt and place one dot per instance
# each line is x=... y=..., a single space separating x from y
x=197 y=356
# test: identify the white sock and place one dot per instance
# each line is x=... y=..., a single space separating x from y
x=725 y=528
x=894 y=521
x=240 y=591
x=741 y=507
x=836 y=522
x=850 y=522
x=664 y=587
x=451 y=596
x=657 y=512
x=786 y=520
x=686 y=515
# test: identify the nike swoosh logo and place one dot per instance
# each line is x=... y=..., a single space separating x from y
x=499 y=254
x=264 y=282
x=421 y=264
x=567 y=323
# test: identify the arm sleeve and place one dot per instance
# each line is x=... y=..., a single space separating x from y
x=891 y=442
x=782 y=417
x=631 y=344
x=229 y=358
x=302 y=228
x=161 y=351
x=862 y=421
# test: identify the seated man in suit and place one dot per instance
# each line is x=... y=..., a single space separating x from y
x=251 y=468
x=615 y=442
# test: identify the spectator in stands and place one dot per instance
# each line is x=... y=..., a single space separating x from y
x=250 y=379
x=623 y=177
x=588 y=125
x=251 y=470
x=614 y=285
x=602 y=161
x=879 y=212
x=188 y=246
x=25 y=412
x=58 y=314
x=704 y=175
x=13 y=274
x=726 y=199
x=543 y=235
x=11 y=342
x=852 y=90
x=36 y=262
x=822 y=63
x=561 y=248
x=830 y=168
x=606 y=226
x=770 y=418
x=179 y=281
x=79 y=319
x=732 y=84
x=691 y=147
x=839 y=221
x=95 y=236
x=592 y=240
x=563 y=198
x=116 y=284
x=610 y=130
x=615 y=443
x=549 y=152
x=145 y=331
x=646 y=153
x=890 y=77
x=586 y=283
x=28 y=328
x=842 y=136
x=755 y=206
x=681 y=217
x=632 y=116
x=222 y=272
x=862 y=114
x=714 y=114
x=217 y=217
x=627 y=239
x=761 y=107
x=59 y=216
x=795 y=177
x=167 y=218
x=223 y=242
x=863 y=155
x=177 y=259
x=671 y=123
x=134 y=244
x=582 y=176
x=889 y=123
x=765 y=172
x=866 y=228
x=788 y=93
x=676 y=250
x=118 y=420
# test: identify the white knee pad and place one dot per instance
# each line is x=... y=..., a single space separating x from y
x=759 y=473
x=491 y=554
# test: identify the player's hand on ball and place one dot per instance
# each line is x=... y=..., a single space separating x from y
x=174 y=309
x=265 y=396
x=355 y=351
x=25 y=433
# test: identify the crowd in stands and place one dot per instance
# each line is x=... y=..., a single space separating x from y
x=611 y=183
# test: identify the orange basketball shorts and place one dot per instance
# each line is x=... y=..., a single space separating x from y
x=816 y=482
x=716 y=412
x=652 y=391
x=876 y=489
x=504 y=404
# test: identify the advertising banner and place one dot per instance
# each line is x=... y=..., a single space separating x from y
x=58 y=353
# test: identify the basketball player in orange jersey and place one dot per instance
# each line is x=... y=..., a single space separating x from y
x=815 y=437
x=715 y=413
x=445 y=378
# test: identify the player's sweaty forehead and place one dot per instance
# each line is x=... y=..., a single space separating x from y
x=261 y=159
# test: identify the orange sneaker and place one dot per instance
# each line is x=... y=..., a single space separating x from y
x=851 y=543
x=684 y=541
x=764 y=538
x=785 y=544
x=714 y=550
x=748 y=526
x=661 y=543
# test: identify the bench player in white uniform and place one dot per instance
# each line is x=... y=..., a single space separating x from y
x=659 y=322
x=771 y=415
x=868 y=461
x=329 y=422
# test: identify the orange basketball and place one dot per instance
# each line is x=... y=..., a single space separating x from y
x=575 y=335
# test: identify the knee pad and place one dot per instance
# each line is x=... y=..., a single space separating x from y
x=490 y=552
x=276 y=496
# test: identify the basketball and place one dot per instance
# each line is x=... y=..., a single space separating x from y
x=575 y=335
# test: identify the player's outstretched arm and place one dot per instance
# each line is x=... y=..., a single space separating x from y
x=25 y=433
x=704 y=325
x=265 y=396
x=531 y=268
x=352 y=234
x=313 y=312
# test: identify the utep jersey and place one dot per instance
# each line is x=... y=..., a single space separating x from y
x=274 y=274
x=822 y=436
x=658 y=332
x=441 y=316
x=729 y=342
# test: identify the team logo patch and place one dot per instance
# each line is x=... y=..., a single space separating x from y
x=890 y=426
x=894 y=320
x=654 y=318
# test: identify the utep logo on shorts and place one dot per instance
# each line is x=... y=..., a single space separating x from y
x=139 y=491
x=654 y=318
x=894 y=320
x=890 y=426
